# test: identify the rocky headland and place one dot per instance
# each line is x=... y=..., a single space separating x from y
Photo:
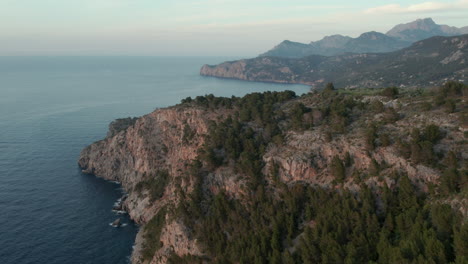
x=206 y=162
x=429 y=62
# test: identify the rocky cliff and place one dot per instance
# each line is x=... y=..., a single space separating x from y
x=154 y=142
x=195 y=143
x=429 y=62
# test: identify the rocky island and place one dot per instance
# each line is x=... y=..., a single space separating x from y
x=335 y=176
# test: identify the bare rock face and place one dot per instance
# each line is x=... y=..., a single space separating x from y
x=176 y=238
x=160 y=141
x=306 y=156
x=154 y=141
x=234 y=70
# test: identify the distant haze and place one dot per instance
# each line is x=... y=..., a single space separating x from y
x=199 y=27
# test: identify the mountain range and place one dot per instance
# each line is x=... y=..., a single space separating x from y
x=400 y=36
x=425 y=63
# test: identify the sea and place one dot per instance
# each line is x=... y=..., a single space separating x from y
x=50 y=109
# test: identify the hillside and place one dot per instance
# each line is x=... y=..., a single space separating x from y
x=330 y=177
x=428 y=62
x=400 y=36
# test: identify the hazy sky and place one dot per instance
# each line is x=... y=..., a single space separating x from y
x=199 y=27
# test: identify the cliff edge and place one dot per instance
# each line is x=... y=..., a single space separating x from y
x=211 y=178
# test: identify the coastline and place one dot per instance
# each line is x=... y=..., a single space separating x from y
x=168 y=138
x=130 y=157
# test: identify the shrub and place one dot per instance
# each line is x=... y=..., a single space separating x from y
x=156 y=185
x=450 y=182
x=432 y=133
x=391 y=92
x=297 y=114
x=450 y=106
x=329 y=90
x=152 y=234
x=370 y=135
x=337 y=169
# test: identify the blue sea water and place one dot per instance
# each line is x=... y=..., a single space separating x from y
x=52 y=107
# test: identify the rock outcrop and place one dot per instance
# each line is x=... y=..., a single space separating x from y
x=171 y=138
x=155 y=142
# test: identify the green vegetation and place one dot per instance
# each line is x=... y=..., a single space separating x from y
x=152 y=234
x=234 y=139
x=270 y=221
x=415 y=66
x=324 y=226
x=120 y=124
x=421 y=147
x=188 y=134
x=155 y=185
x=338 y=169
x=391 y=92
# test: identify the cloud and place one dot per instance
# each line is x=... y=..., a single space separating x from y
x=418 y=8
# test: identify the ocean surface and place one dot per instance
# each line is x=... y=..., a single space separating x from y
x=51 y=108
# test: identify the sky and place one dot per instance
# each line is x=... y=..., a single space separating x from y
x=199 y=27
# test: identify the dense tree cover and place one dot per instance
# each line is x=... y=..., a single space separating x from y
x=277 y=223
x=235 y=139
x=304 y=224
x=337 y=110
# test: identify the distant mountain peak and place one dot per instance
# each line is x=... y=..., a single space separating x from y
x=372 y=35
x=334 y=37
x=400 y=36
x=332 y=41
x=425 y=24
x=428 y=62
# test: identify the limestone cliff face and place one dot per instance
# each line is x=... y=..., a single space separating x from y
x=234 y=69
x=263 y=69
x=171 y=138
x=130 y=156
x=154 y=142
x=306 y=158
